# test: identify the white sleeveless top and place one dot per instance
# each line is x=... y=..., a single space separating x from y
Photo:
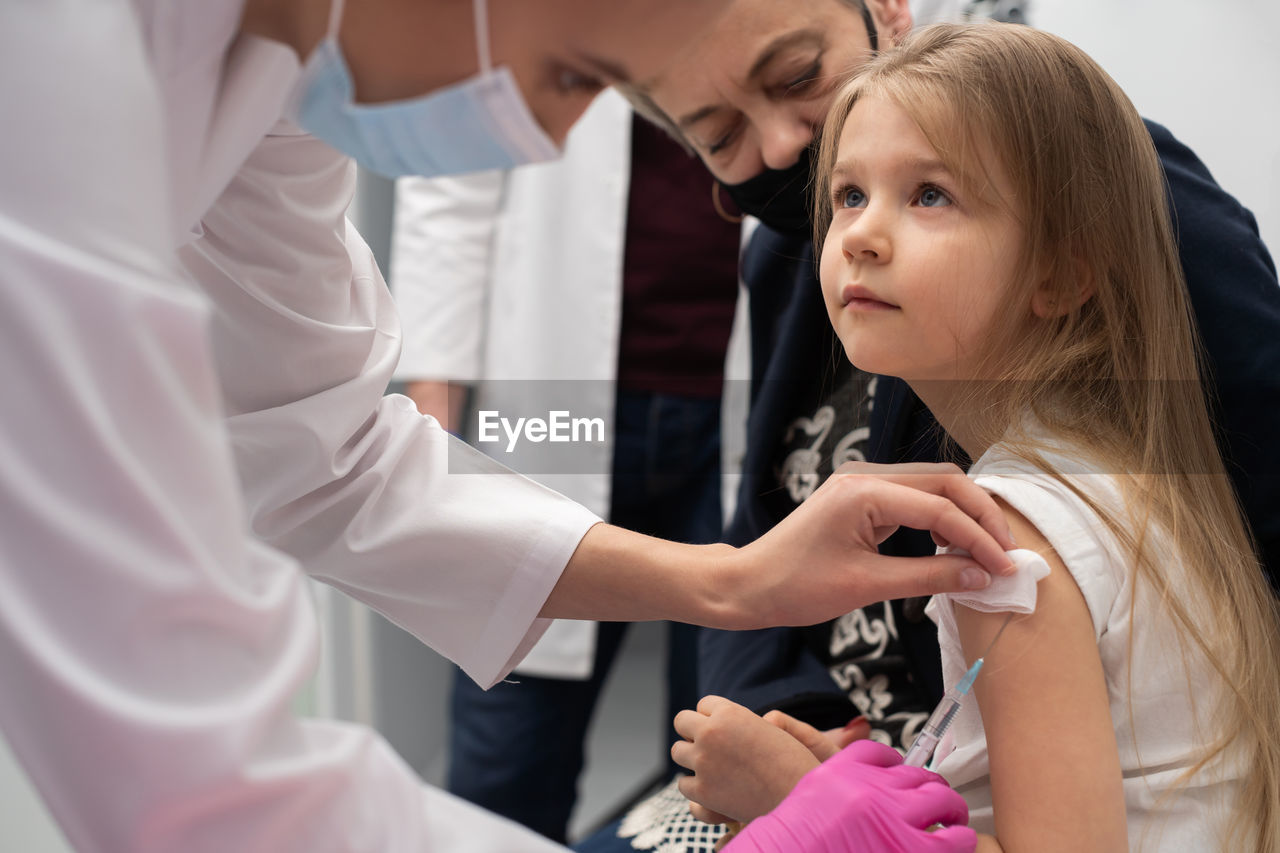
x=1150 y=691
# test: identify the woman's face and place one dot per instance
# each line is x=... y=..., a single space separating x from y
x=564 y=52
x=752 y=95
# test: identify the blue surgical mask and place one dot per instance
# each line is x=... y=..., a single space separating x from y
x=481 y=123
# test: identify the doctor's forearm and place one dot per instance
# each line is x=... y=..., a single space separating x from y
x=618 y=575
x=819 y=562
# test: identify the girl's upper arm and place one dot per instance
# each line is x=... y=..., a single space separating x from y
x=1042 y=694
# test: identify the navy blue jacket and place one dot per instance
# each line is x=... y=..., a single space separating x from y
x=1232 y=282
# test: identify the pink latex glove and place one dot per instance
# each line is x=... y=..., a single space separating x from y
x=859 y=800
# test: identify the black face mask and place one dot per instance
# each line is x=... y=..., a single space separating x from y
x=783 y=198
x=780 y=198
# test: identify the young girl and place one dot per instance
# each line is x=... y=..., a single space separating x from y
x=994 y=230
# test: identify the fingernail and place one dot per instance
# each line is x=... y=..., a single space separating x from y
x=856 y=722
x=973 y=578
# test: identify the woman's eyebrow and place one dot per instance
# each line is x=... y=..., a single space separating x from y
x=690 y=119
x=788 y=41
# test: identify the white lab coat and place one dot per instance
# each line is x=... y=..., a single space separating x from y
x=559 y=228
x=511 y=282
x=150 y=645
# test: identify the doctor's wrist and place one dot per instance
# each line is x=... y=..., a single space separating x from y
x=715 y=586
x=619 y=575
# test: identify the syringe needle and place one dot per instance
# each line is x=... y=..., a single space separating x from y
x=940 y=720
x=1003 y=625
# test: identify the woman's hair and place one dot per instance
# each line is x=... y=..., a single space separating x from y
x=1118 y=370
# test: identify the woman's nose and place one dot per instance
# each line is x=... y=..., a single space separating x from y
x=783 y=138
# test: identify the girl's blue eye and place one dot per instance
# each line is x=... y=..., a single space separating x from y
x=933 y=197
x=852 y=197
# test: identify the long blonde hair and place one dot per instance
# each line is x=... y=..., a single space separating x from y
x=1119 y=372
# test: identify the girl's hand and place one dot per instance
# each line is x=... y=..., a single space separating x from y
x=822 y=744
x=744 y=765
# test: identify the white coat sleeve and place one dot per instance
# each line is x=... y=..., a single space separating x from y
x=442 y=247
x=149 y=649
x=368 y=494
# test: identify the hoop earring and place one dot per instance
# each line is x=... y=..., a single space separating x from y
x=720 y=211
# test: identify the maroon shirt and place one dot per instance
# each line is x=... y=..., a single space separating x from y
x=680 y=273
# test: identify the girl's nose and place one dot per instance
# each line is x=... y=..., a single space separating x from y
x=868 y=238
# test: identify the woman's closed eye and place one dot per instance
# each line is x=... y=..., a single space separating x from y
x=723 y=139
x=804 y=82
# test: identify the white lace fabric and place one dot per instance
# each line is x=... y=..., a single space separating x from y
x=662 y=823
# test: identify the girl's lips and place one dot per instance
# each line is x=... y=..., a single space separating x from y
x=859 y=298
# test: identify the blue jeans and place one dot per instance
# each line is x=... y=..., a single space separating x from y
x=517 y=749
x=604 y=840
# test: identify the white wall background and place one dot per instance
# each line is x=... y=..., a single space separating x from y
x=1209 y=70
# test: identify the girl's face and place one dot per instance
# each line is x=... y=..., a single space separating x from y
x=914 y=269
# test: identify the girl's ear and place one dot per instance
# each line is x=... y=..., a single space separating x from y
x=893 y=20
x=1060 y=295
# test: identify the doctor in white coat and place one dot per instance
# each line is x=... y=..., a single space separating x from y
x=193 y=348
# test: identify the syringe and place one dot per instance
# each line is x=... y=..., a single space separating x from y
x=944 y=715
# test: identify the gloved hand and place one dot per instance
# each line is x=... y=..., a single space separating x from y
x=860 y=800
